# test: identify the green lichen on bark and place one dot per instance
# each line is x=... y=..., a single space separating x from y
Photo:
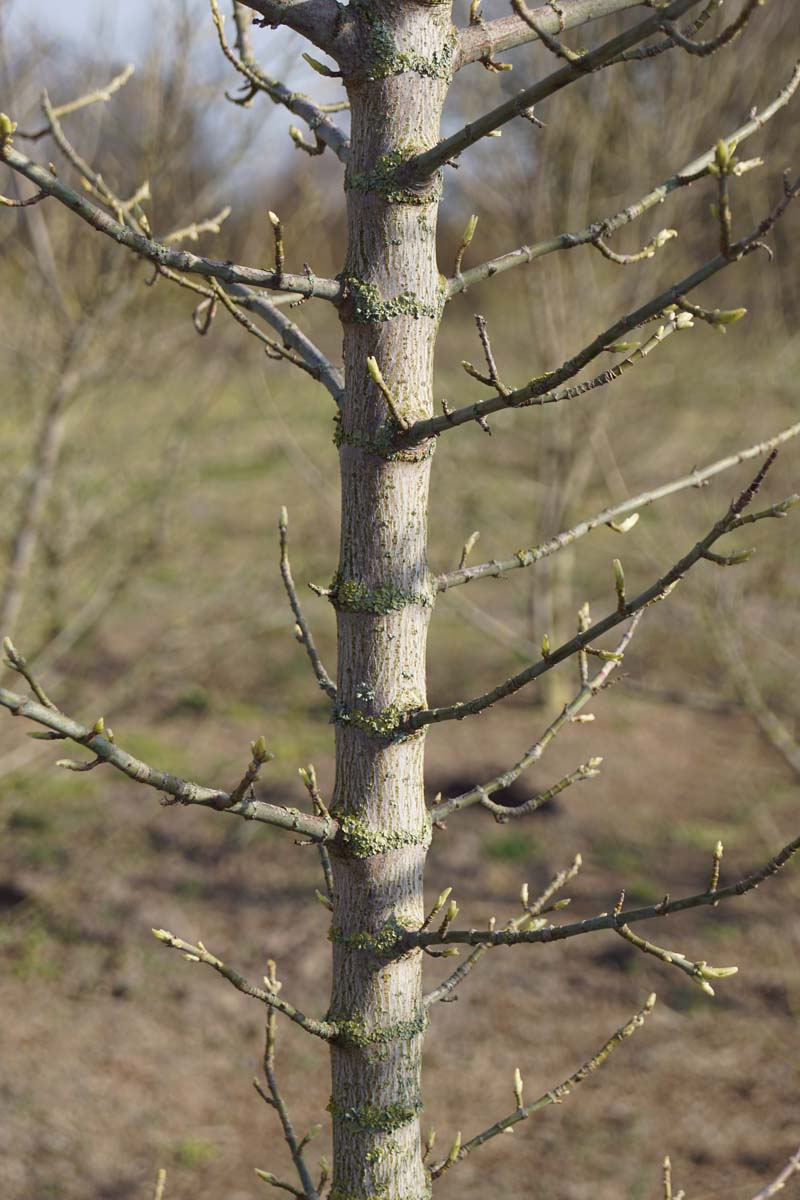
x=383 y=944
x=369 y=307
x=351 y=595
x=375 y=1118
x=384 y=58
x=382 y=445
x=359 y=841
x=357 y=1033
x=383 y=180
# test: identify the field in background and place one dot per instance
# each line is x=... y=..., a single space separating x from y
x=155 y=599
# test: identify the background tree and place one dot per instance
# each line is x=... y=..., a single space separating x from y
x=396 y=62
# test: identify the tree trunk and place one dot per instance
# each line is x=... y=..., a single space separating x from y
x=383 y=597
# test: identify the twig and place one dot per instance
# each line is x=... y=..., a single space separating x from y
x=423 y=165
x=530 y=914
x=244 y=787
x=304 y=633
x=557 y=933
x=608 y=516
x=326 y=133
x=731 y=521
x=181 y=791
x=699 y=971
x=556 y=1094
x=481 y=795
x=275 y=1099
x=778 y=1184
x=541 y=389
x=198 y=953
x=693 y=171
x=157 y=252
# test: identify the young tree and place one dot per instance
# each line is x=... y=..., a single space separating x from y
x=397 y=60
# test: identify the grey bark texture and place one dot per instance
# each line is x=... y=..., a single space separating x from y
x=383 y=596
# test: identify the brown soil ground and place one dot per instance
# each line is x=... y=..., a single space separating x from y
x=119 y=1058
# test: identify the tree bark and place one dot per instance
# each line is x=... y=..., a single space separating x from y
x=383 y=596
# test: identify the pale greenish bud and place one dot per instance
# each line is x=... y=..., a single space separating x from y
x=683 y=320
x=729 y=316
x=99 y=726
x=274 y=219
x=7 y=127
x=664 y=236
x=594 y=763
x=163 y=935
x=787 y=504
x=619 y=576
x=518 y=1087
x=455 y=1150
x=559 y=904
x=375 y=371
x=741 y=168
x=430 y=1140
x=523 y=895
x=283 y=520
x=624 y=526
x=583 y=719
x=622 y=347
x=452 y=911
x=707 y=972
x=259 y=750
x=267 y=1176
x=450 y=952
x=443 y=898
x=469 y=232
x=722 y=156
x=546 y=646
x=320 y=67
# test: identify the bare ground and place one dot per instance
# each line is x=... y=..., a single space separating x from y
x=119 y=1057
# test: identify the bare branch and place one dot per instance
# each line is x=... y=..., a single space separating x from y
x=198 y=953
x=529 y=918
x=557 y=933
x=693 y=171
x=423 y=165
x=705 y=49
x=555 y=1095
x=732 y=520
x=698 y=971
x=304 y=633
x=157 y=252
x=318 y=20
x=544 y=388
x=326 y=133
x=778 y=1184
x=293 y=338
x=494 y=37
x=696 y=478
x=502 y=812
x=182 y=791
x=276 y=1101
